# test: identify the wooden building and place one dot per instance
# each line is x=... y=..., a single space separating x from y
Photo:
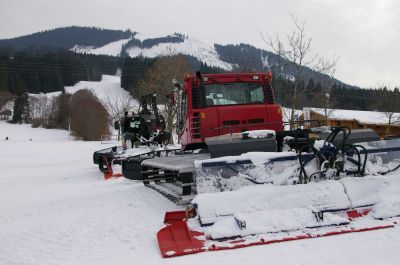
x=355 y=119
x=6 y=115
x=6 y=110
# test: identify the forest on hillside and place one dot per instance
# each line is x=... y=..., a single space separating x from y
x=25 y=73
x=51 y=71
x=48 y=72
x=336 y=96
x=66 y=37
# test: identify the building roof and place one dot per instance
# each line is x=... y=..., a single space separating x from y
x=365 y=117
x=6 y=112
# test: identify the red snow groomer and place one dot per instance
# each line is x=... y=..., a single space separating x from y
x=228 y=114
x=215 y=112
x=250 y=182
x=262 y=185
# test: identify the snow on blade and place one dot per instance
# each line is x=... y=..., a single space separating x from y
x=257 y=158
x=327 y=195
x=232 y=172
x=364 y=191
x=271 y=221
x=261 y=133
x=387 y=197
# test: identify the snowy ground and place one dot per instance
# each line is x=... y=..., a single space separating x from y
x=55 y=208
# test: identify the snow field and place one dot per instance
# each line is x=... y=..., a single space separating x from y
x=55 y=208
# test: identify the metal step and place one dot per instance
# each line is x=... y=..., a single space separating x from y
x=171 y=192
x=179 y=163
x=172 y=176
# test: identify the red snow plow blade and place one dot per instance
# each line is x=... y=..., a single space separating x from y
x=174 y=216
x=109 y=173
x=177 y=239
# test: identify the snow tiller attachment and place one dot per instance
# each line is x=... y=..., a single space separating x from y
x=258 y=157
x=330 y=156
x=266 y=214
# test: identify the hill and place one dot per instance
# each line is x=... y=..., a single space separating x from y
x=230 y=57
x=67 y=38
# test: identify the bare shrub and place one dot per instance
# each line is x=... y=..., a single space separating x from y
x=89 y=118
x=5 y=96
x=36 y=122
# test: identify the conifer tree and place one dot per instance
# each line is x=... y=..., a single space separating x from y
x=21 y=109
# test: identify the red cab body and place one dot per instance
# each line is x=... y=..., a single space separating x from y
x=219 y=104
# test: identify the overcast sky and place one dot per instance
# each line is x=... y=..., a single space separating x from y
x=365 y=34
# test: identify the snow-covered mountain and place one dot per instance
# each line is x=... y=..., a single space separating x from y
x=112 y=48
x=139 y=45
x=231 y=57
x=193 y=47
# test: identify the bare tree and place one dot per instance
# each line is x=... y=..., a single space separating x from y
x=389 y=105
x=297 y=53
x=328 y=69
x=159 y=79
x=51 y=108
x=117 y=103
x=41 y=109
x=393 y=118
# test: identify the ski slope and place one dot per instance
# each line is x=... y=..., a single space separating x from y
x=203 y=52
x=108 y=90
x=55 y=208
x=200 y=50
x=111 y=49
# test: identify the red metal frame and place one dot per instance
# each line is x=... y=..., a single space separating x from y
x=176 y=239
x=174 y=216
x=109 y=173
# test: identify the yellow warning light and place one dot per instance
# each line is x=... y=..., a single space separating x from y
x=203 y=115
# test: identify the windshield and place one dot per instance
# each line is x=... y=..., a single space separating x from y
x=233 y=93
